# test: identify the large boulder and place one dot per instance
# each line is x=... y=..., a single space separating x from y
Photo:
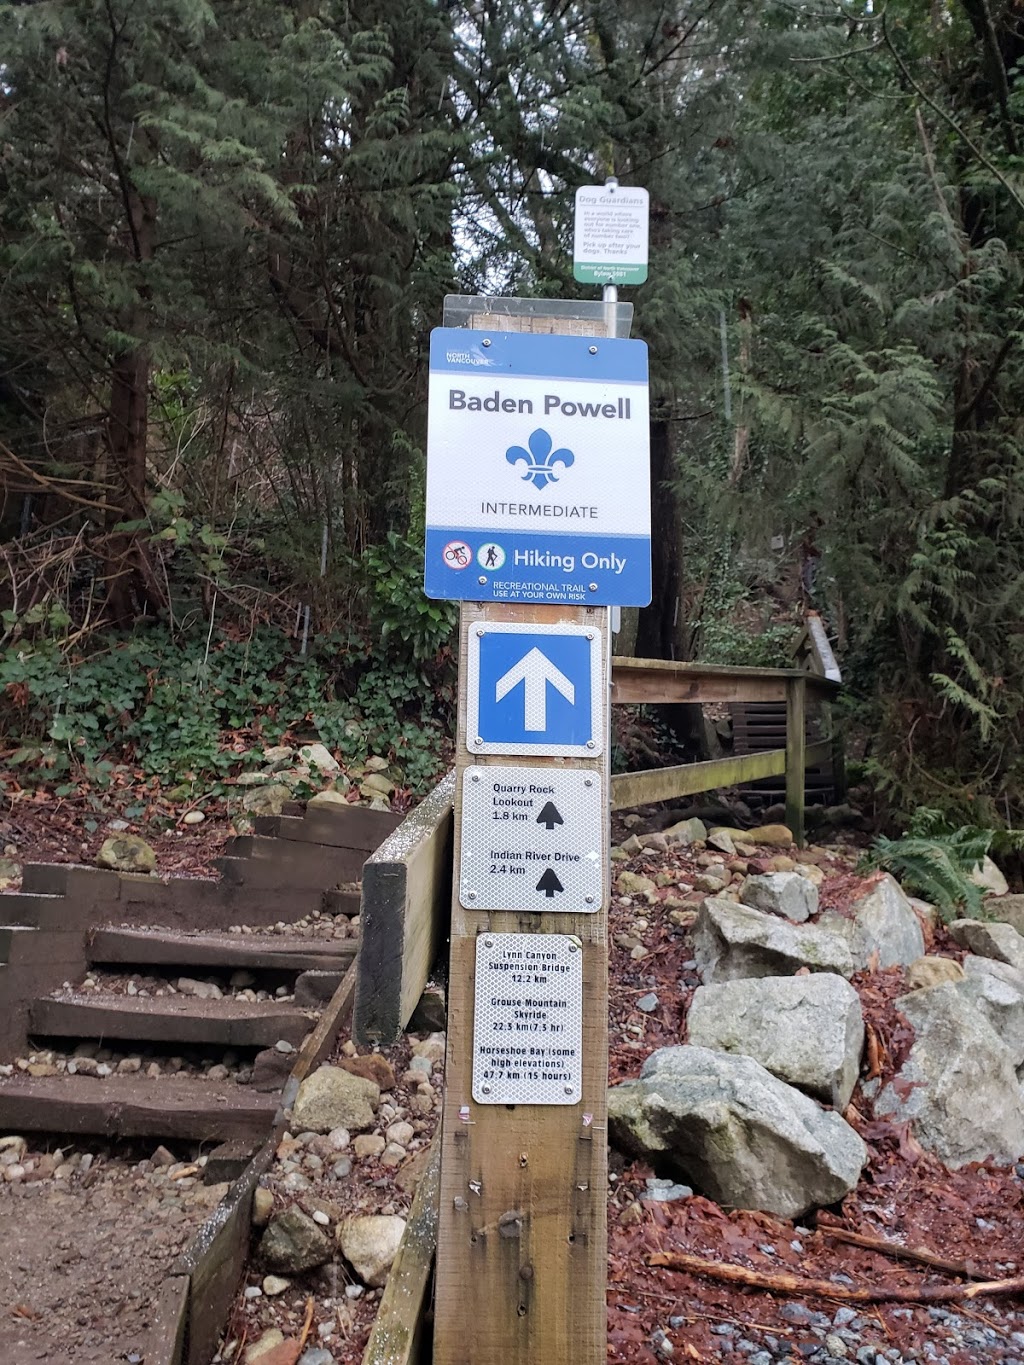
x=958 y=1087
x=370 y=1244
x=332 y=1098
x=733 y=942
x=997 y=941
x=788 y=894
x=806 y=1030
x=293 y=1243
x=1007 y=910
x=889 y=925
x=998 y=992
x=734 y=1132
x=987 y=875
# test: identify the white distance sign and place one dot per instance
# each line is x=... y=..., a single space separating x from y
x=528 y=1019
x=532 y=839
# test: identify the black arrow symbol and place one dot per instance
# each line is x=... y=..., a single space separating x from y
x=549 y=883
x=549 y=816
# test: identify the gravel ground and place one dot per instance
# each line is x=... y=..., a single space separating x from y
x=87 y=1237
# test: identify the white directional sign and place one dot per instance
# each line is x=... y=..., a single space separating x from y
x=532 y=839
x=528 y=1019
x=535 y=689
x=610 y=238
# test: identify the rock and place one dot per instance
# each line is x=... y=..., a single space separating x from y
x=372 y=1067
x=262 y=1206
x=997 y=991
x=686 y=832
x=270 y=1069
x=393 y=1154
x=375 y=785
x=275 y=1284
x=806 y=1030
x=732 y=942
x=318 y=756
x=665 y=1191
x=631 y=845
x=193 y=817
x=815 y=875
x=368 y=1145
x=737 y=1134
x=15 y=1144
x=401 y=1132
x=932 y=971
x=775 y=836
x=431 y=1013
x=656 y=842
x=1007 y=910
x=997 y=941
x=316 y=1355
x=269 y=1341
x=989 y=878
x=293 y=1243
x=10 y=873
x=781 y=893
x=327 y=798
x=284 y=1353
x=707 y=881
x=958 y=1087
x=370 y=1244
x=889 y=925
x=334 y=1098
x=722 y=840
x=647 y=1003
x=632 y=884
x=269 y=799
x=202 y=990
x=126 y=853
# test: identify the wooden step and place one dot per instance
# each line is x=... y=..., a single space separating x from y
x=164 y=947
x=130 y=1106
x=174 y=1019
x=322 y=868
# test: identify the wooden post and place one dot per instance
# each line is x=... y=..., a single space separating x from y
x=522 y=1228
x=522 y=1236
x=796 y=756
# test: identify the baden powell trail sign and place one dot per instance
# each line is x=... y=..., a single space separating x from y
x=538 y=469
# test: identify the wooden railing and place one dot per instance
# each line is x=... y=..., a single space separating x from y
x=649 y=681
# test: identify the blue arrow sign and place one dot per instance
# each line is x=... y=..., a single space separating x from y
x=534 y=689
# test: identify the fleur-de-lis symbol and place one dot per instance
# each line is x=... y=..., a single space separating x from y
x=540 y=459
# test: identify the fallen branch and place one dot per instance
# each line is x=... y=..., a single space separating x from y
x=901 y=1253
x=794 y=1284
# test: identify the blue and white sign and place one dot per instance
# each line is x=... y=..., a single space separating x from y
x=535 y=689
x=538 y=469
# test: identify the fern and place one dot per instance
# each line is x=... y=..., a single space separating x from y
x=937 y=867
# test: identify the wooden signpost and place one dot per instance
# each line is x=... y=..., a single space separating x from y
x=522 y=1237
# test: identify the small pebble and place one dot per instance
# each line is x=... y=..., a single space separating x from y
x=647 y=1003
x=252 y=1291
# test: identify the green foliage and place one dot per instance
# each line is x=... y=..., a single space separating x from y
x=406 y=622
x=935 y=860
x=178 y=709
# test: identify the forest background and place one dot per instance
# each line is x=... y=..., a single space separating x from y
x=226 y=230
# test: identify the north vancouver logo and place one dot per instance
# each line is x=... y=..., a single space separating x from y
x=540 y=459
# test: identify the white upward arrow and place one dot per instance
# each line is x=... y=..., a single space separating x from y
x=535 y=670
